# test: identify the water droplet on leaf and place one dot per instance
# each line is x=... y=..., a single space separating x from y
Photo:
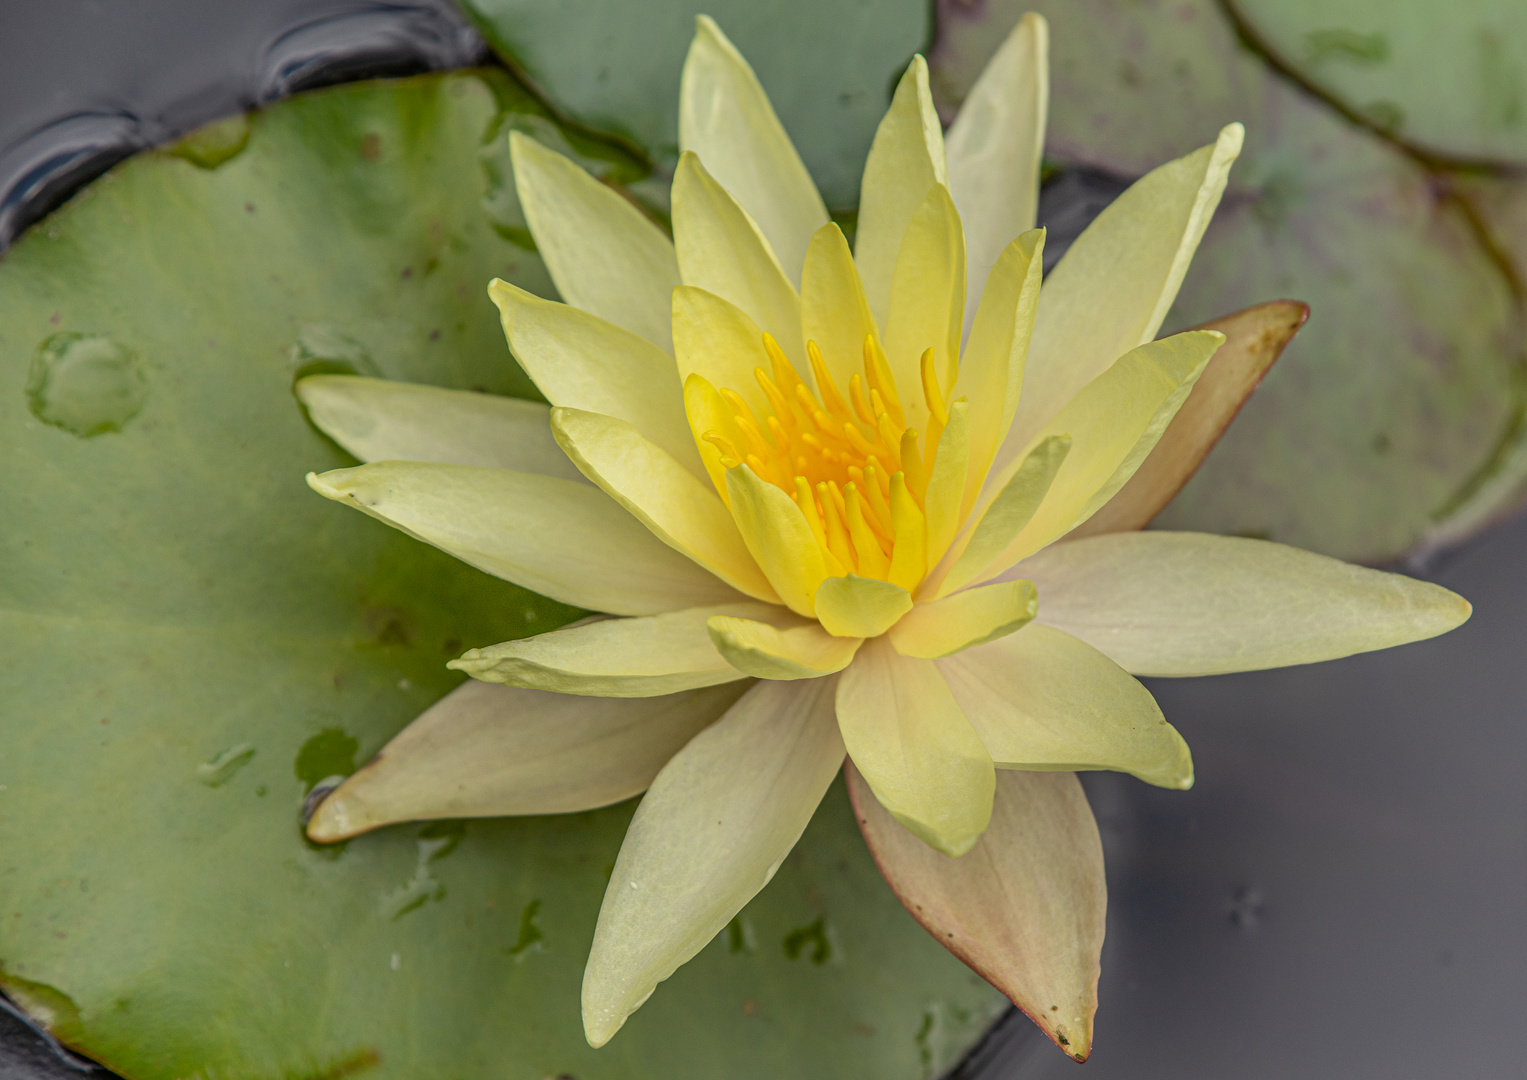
x=85 y=384
x=221 y=769
x=215 y=144
x=324 y=350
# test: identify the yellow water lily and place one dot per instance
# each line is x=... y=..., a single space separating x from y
x=832 y=502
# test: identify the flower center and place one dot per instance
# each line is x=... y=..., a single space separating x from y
x=851 y=464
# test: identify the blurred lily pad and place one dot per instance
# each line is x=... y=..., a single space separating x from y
x=1397 y=409
x=1449 y=77
x=192 y=640
x=828 y=65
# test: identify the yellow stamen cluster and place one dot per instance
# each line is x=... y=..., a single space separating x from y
x=851 y=464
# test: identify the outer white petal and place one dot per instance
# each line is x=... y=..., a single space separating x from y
x=710 y=833
x=604 y=255
x=490 y=751
x=569 y=541
x=994 y=148
x=641 y=657
x=726 y=118
x=1161 y=603
x=382 y=420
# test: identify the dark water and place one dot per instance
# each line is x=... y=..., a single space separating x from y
x=1344 y=892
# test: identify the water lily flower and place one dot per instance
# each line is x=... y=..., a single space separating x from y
x=834 y=503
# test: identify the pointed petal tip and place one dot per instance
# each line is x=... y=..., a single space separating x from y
x=335 y=818
x=317 y=482
x=1231 y=138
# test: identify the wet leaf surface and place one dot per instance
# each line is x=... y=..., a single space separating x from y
x=828 y=66
x=194 y=640
x=1389 y=416
x=1448 y=77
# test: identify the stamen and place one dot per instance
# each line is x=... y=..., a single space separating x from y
x=785 y=375
x=857 y=440
x=777 y=400
x=909 y=558
x=931 y=393
x=861 y=405
x=877 y=372
x=891 y=438
x=877 y=491
x=722 y=443
x=881 y=475
x=837 y=535
x=808 y=504
x=761 y=470
x=857 y=474
x=826 y=388
x=912 y=465
x=872 y=560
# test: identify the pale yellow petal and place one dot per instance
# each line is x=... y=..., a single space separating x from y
x=722 y=251
x=994 y=149
x=991 y=366
x=641 y=657
x=905 y=160
x=1114 y=423
x=1163 y=603
x=581 y=361
x=927 y=299
x=382 y=420
x=907 y=735
x=834 y=311
x=965 y=620
x=945 y=497
x=709 y=834
x=566 y=540
x=1024 y=907
x=780 y=648
x=1044 y=700
x=777 y=535
x=717 y=340
x=681 y=510
x=491 y=751
x=604 y=254
x=1013 y=508
x=859 y=607
x=726 y=118
x=1115 y=284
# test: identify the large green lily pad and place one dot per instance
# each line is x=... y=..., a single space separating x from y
x=1395 y=412
x=1450 y=77
x=828 y=65
x=192 y=639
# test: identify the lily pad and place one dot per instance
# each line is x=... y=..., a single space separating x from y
x=193 y=640
x=828 y=65
x=1373 y=433
x=1451 y=78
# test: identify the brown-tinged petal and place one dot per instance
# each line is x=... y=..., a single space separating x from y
x=1024 y=907
x=1254 y=338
